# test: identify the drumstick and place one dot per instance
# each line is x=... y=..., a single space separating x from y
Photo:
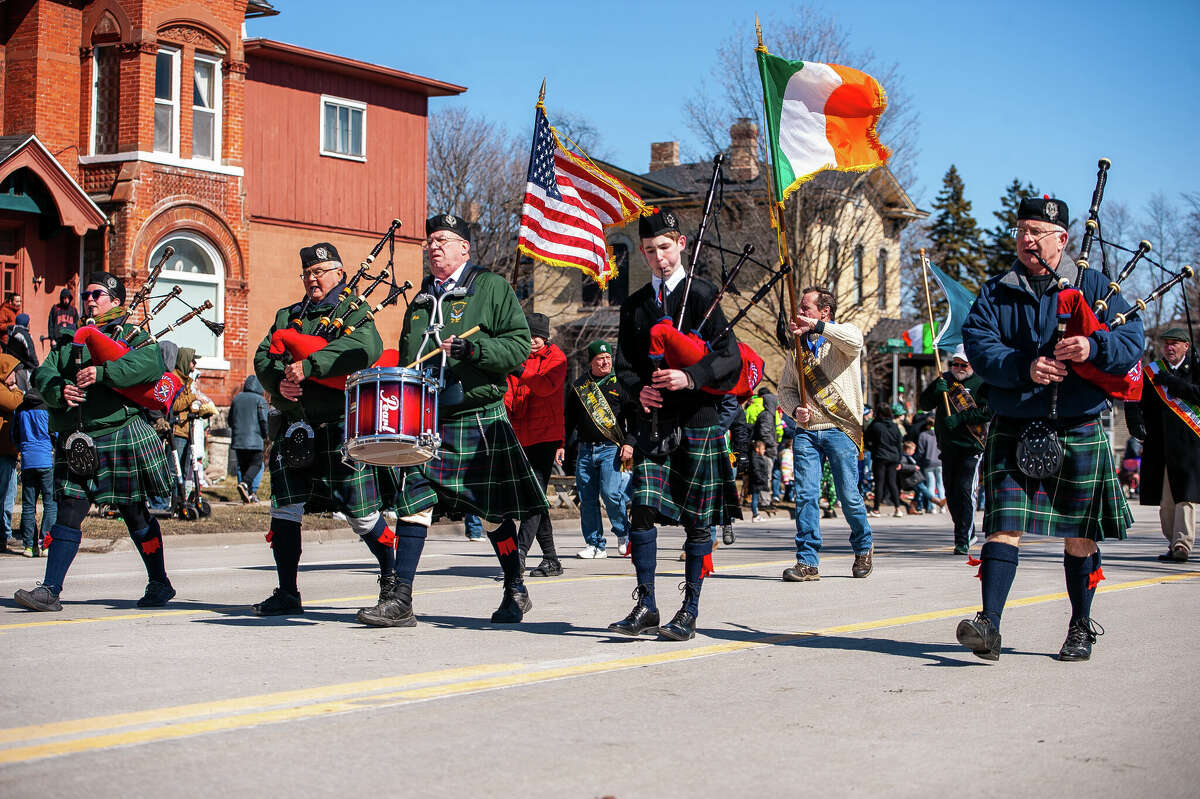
x=438 y=351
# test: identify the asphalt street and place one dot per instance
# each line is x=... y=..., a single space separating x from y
x=839 y=687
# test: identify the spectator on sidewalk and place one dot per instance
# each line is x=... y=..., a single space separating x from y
x=8 y=315
x=31 y=431
x=594 y=419
x=473 y=527
x=912 y=478
x=63 y=319
x=21 y=346
x=248 y=429
x=185 y=365
x=10 y=400
x=764 y=440
x=883 y=440
x=929 y=458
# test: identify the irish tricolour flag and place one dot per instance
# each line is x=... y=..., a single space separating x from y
x=819 y=116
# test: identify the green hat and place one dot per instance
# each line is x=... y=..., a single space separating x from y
x=598 y=347
x=1175 y=334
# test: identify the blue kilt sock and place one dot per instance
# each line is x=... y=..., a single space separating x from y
x=643 y=551
x=693 y=573
x=285 y=546
x=1080 y=587
x=410 y=541
x=996 y=572
x=149 y=543
x=64 y=544
x=381 y=541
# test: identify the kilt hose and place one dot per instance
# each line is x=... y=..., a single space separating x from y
x=132 y=468
x=480 y=469
x=1084 y=500
x=694 y=485
x=329 y=484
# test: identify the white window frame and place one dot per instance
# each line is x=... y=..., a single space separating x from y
x=176 y=59
x=217 y=109
x=328 y=99
x=211 y=362
x=96 y=94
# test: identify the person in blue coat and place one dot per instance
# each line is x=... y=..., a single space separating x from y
x=1010 y=340
x=248 y=427
x=31 y=432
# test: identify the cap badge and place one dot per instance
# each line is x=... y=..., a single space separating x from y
x=1051 y=210
x=450 y=220
x=322 y=253
x=669 y=219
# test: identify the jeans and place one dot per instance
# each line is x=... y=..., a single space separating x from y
x=598 y=478
x=933 y=482
x=250 y=467
x=183 y=450
x=808 y=447
x=8 y=486
x=922 y=497
x=777 y=480
x=960 y=493
x=33 y=482
x=473 y=526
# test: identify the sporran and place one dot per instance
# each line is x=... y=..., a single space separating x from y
x=1039 y=451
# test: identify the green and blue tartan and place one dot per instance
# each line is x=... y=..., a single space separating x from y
x=329 y=484
x=1084 y=500
x=480 y=469
x=694 y=485
x=133 y=468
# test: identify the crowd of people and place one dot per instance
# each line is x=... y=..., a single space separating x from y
x=1010 y=425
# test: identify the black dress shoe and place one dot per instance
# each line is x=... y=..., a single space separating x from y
x=549 y=567
x=394 y=608
x=641 y=619
x=513 y=607
x=680 y=628
x=157 y=594
x=980 y=636
x=1080 y=637
x=279 y=603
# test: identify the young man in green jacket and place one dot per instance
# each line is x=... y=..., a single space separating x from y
x=130 y=465
x=313 y=420
x=480 y=468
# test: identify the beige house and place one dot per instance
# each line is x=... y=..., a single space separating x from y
x=844 y=232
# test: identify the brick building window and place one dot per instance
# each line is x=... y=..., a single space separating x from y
x=881 y=279
x=198 y=269
x=858 y=275
x=166 y=101
x=206 y=108
x=106 y=95
x=343 y=128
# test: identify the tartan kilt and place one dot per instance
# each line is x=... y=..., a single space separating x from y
x=133 y=468
x=694 y=485
x=329 y=484
x=480 y=469
x=1084 y=500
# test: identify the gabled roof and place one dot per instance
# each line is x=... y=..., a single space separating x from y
x=75 y=208
x=360 y=70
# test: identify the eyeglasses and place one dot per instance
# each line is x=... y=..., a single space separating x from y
x=1038 y=235
x=315 y=274
x=94 y=295
x=439 y=243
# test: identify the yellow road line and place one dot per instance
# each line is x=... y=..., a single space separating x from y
x=432 y=685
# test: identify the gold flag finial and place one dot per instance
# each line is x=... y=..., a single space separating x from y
x=542 y=93
x=758 y=33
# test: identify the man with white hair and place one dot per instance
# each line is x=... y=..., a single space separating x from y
x=960 y=424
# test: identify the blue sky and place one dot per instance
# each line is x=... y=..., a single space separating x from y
x=1035 y=90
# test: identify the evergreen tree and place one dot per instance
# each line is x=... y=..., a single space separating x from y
x=1003 y=247
x=956 y=246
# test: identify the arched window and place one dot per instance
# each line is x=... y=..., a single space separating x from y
x=197 y=268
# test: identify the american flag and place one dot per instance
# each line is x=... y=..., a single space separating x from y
x=568 y=203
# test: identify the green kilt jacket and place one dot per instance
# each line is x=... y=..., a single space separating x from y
x=481 y=467
x=132 y=458
x=329 y=483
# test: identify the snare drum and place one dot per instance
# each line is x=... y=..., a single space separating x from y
x=391 y=416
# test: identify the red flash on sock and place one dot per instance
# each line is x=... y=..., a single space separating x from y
x=1094 y=578
x=388 y=538
x=270 y=536
x=973 y=561
x=506 y=547
x=46 y=540
x=706 y=568
x=151 y=545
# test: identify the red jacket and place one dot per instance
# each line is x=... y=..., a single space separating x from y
x=535 y=399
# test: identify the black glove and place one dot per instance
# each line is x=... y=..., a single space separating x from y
x=953 y=421
x=1172 y=383
x=462 y=350
x=1134 y=420
x=941 y=385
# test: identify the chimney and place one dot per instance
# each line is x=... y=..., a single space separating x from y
x=743 y=151
x=663 y=154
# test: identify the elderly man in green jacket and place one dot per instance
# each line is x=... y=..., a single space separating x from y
x=481 y=468
x=122 y=463
x=306 y=461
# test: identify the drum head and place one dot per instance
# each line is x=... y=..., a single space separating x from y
x=388 y=453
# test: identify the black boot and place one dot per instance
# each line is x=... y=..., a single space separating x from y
x=516 y=602
x=1080 y=637
x=683 y=626
x=394 y=608
x=642 y=619
x=980 y=636
x=549 y=567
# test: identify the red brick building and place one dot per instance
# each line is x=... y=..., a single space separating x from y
x=106 y=157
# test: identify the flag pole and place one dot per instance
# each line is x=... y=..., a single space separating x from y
x=929 y=307
x=776 y=212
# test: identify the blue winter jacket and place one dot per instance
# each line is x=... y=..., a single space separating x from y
x=32 y=434
x=1009 y=327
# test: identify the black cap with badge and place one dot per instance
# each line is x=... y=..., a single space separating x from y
x=658 y=223
x=110 y=283
x=1045 y=209
x=455 y=224
x=320 y=253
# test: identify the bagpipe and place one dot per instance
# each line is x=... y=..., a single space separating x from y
x=290 y=344
x=1083 y=320
x=159 y=395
